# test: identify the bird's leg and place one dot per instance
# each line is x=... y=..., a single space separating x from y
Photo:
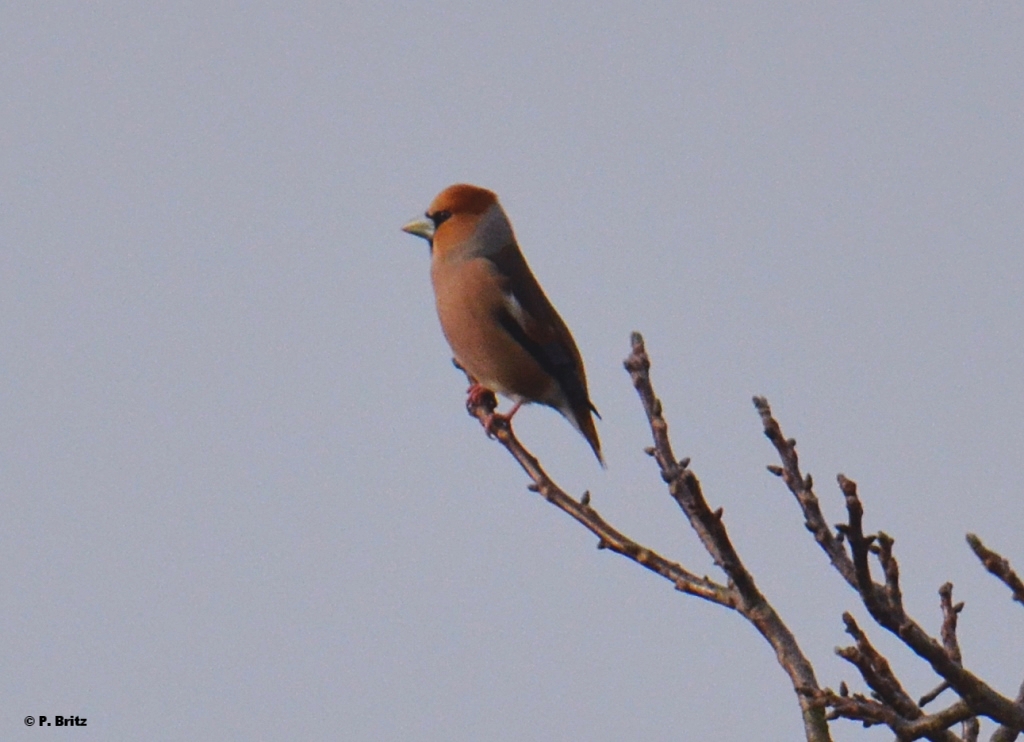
x=477 y=394
x=510 y=413
x=480 y=396
x=496 y=418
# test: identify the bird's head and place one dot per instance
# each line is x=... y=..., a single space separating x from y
x=463 y=220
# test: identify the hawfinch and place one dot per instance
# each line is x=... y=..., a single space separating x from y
x=501 y=327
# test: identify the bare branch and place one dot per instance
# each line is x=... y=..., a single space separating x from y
x=884 y=602
x=608 y=537
x=891 y=569
x=860 y=546
x=891 y=704
x=741 y=594
x=972 y=729
x=802 y=488
x=710 y=529
x=936 y=726
x=998 y=566
x=871 y=712
x=1006 y=733
x=950 y=614
x=683 y=484
x=889 y=613
x=933 y=694
x=860 y=708
x=875 y=670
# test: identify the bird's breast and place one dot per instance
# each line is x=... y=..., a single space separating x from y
x=469 y=295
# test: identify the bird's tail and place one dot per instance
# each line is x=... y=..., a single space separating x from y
x=582 y=419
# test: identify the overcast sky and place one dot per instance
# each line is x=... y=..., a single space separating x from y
x=241 y=495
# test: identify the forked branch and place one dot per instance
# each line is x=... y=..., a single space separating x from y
x=849 y=549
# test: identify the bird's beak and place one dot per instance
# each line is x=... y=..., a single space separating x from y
x=421 y=228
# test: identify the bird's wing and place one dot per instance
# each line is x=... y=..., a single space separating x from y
x=528 y=316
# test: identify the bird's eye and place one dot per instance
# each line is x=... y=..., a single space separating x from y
x=439 y=217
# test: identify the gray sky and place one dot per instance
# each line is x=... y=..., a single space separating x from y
x=242 y=498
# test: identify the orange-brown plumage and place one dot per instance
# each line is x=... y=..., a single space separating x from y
x=499 y=323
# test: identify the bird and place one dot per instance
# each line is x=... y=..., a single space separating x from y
x=502 y=329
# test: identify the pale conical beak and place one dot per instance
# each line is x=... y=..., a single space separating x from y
x=421 y=228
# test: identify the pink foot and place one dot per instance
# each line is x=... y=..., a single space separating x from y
x=477 y=395
x=497 y=419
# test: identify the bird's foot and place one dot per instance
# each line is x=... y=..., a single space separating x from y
x=497 y=420
x=478 y=395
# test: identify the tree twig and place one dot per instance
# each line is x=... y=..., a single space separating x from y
x=998 y=566
x=802 y=488
x=906 y=716
x=1007 y=733
x=585 y=514
x=892 y=705
x=741 y=593
x=709 y=526
x=875 y=670
x=950 y=615
x=884 y=602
